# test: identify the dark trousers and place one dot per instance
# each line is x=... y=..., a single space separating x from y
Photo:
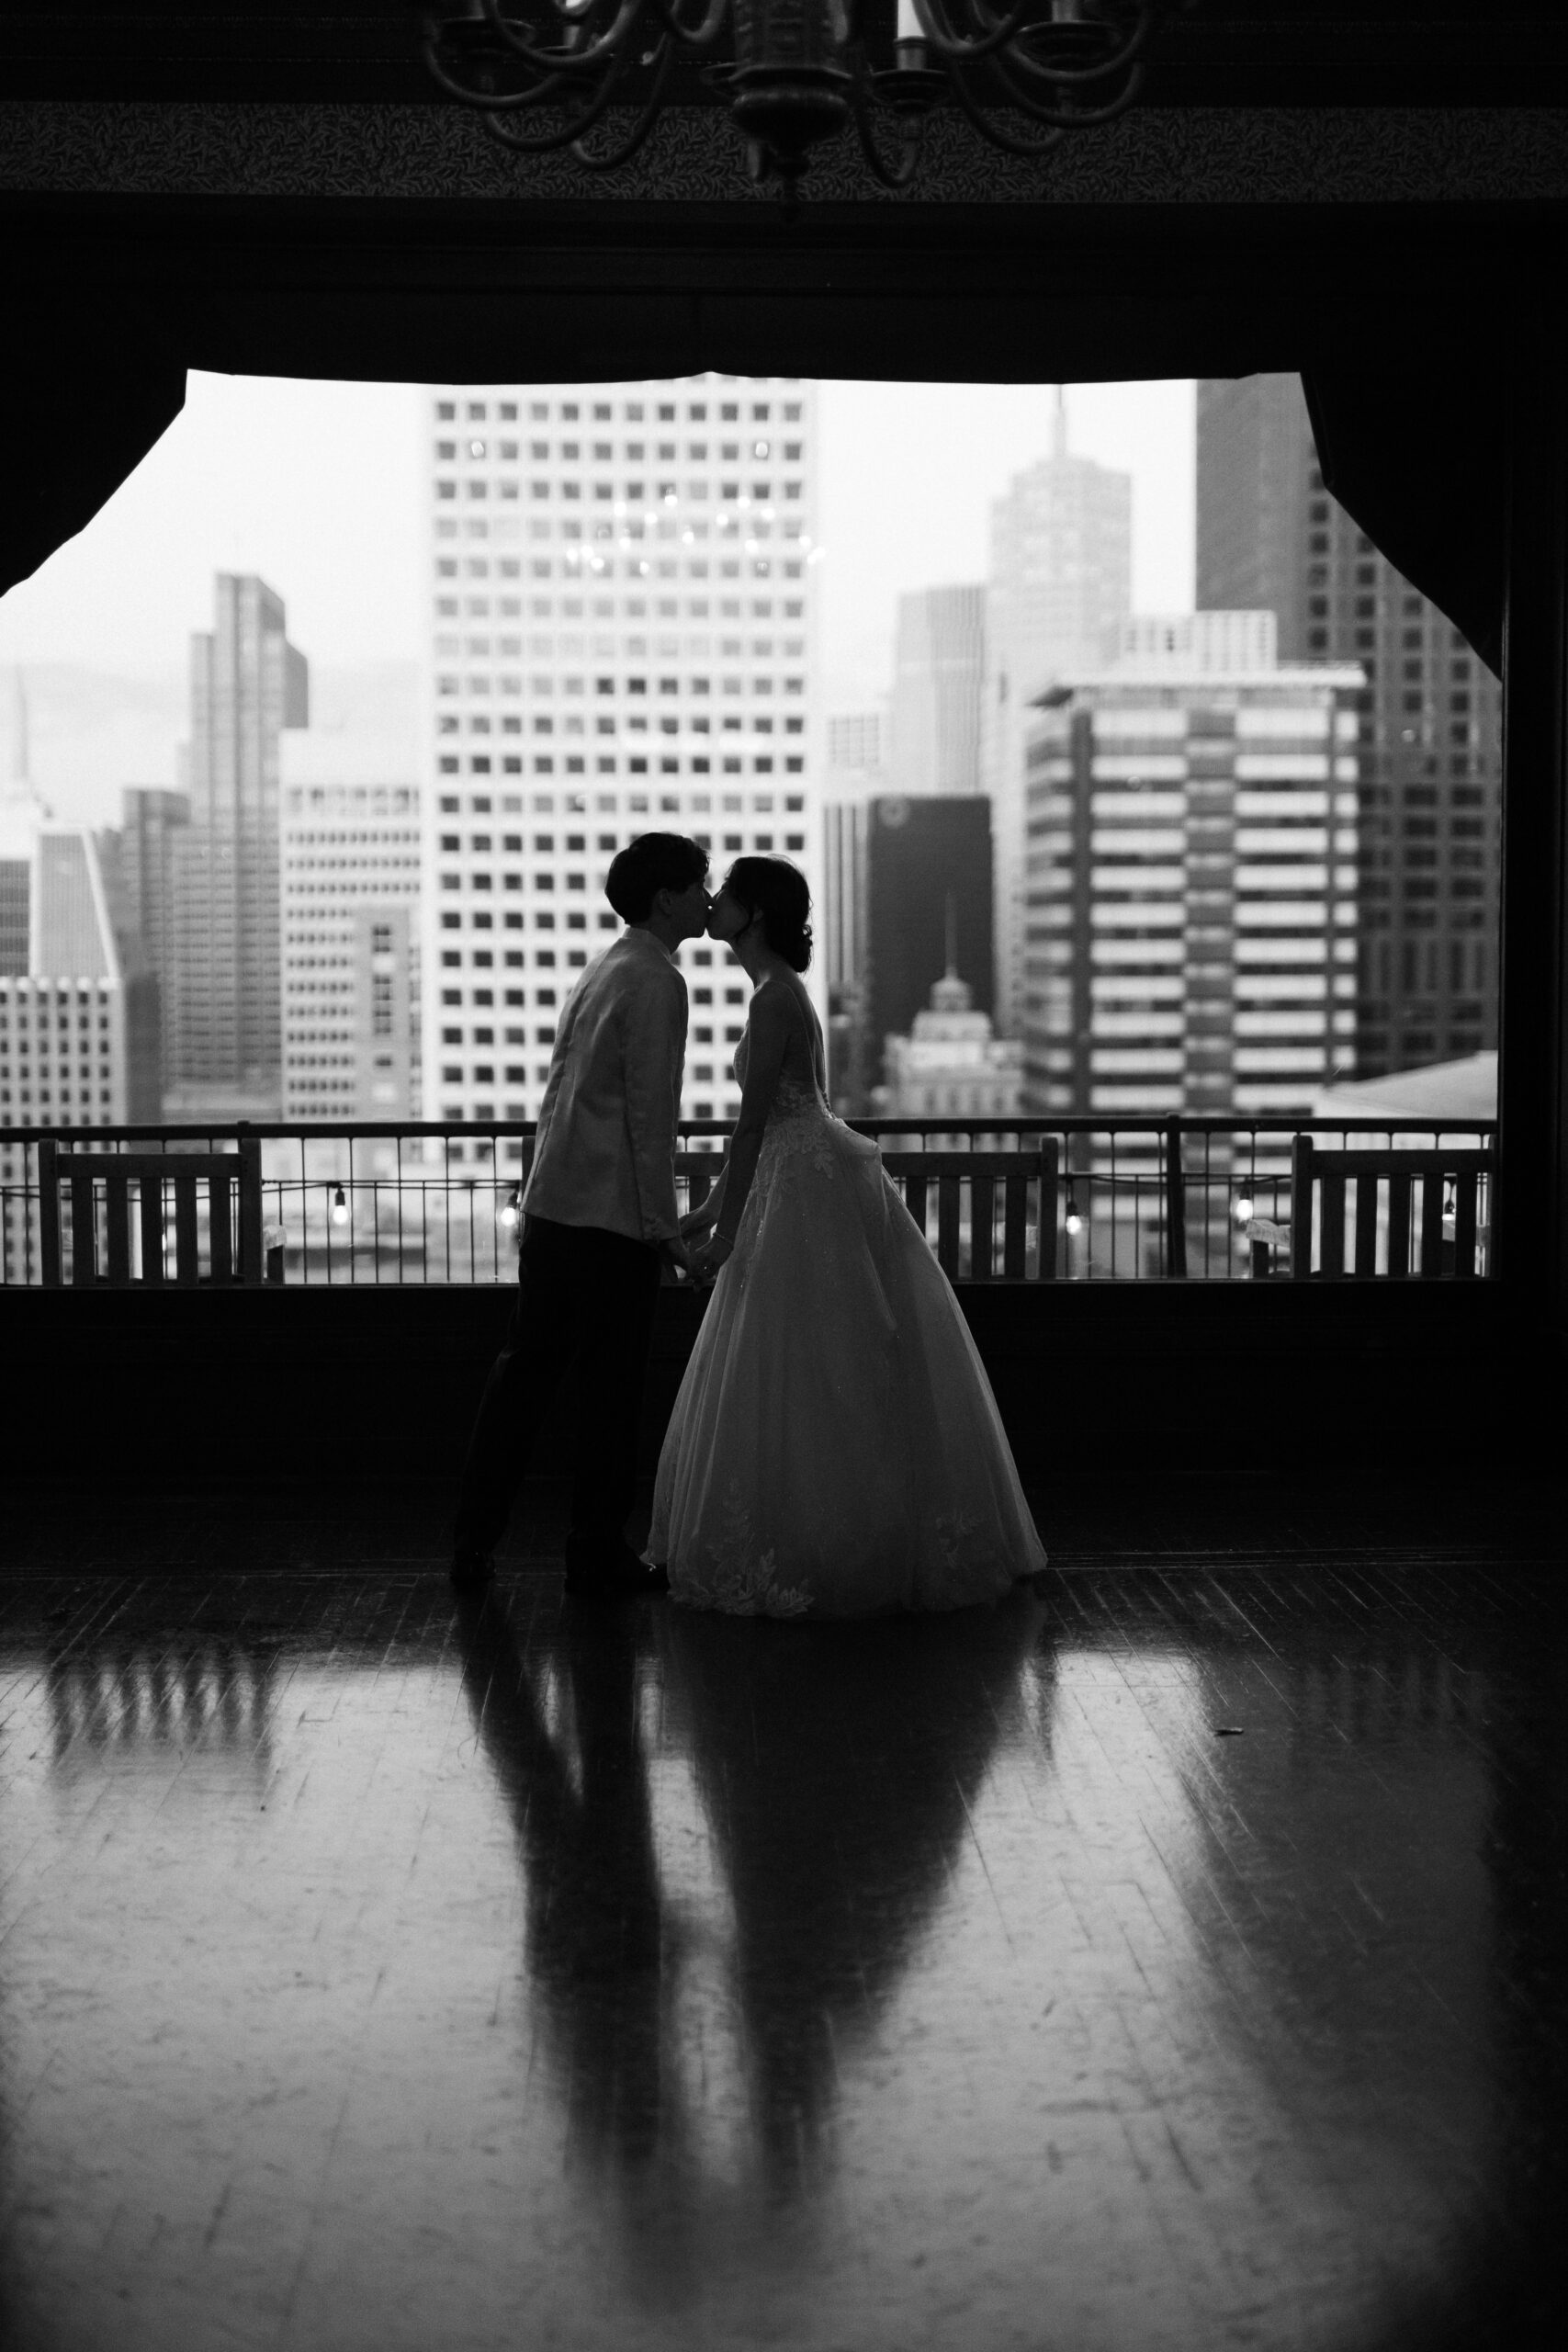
x=585 y=1298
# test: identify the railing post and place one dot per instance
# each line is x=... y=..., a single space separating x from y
x=49 y=1213
x=252 y=1268
x=1049 y=1163
x=1301 y=1206
x=1175 y=1202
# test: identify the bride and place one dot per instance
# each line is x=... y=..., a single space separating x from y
x=835 y=1448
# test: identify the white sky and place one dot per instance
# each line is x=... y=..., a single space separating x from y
x=318 y=487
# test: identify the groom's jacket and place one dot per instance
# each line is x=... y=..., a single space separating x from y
x=605 y=1152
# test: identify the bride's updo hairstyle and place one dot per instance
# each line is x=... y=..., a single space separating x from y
x=773 y=888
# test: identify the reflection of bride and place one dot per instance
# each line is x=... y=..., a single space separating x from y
x=839 y=1771
x=836 y=1772
x=835 y=1448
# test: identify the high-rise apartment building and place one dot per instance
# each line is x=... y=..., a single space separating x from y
x=623 y=640
x=1192 y=905
x=1270 y=535
x=1060 y=587
x=938 y=658
x=351 y=861
x=224 y=1006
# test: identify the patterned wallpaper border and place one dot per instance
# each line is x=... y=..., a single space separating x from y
x=1156 y=155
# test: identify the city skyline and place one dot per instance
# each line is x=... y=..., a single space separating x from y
x=334 y=521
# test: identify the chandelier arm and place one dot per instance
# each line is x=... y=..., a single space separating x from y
x=947 y=44
x=894 y=175
x=1006 y=140
x=1062 y=117
x=544 y=60
x=1067 y=77
x=521 y=143
x=1004 y=28
x=507 y=103
x=644 y=123
x=702 y=36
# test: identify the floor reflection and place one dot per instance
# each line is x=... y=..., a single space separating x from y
x=1163 y=1963
x=839 y=1800
x=699 y=2049
x=123 y=1695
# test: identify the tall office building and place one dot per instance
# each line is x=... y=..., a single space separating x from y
x=857 y=755
x=1270 y=535
x=938 y=658
x=840 y=936
x=151 y=819
x=1060 y=587
x=351 y=860
x=1192 y=910
x=623 y=640
x=79 y=1043
x=248 y=683
x=21 y=814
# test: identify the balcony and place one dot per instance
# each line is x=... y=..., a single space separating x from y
x=1135 y=1288
x=1074 y=1199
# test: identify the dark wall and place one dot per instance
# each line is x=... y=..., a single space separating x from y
x=917 y=853
x=1112 y=1380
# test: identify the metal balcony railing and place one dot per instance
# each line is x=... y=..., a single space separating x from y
x=1047 y=1199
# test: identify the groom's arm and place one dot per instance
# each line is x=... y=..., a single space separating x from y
x=654 y=1050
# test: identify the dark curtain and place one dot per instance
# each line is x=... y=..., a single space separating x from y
x=1414 y=454
x=76 y=417
x=1416 y=458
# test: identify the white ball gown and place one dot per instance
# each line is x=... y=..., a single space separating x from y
x=835 y=1449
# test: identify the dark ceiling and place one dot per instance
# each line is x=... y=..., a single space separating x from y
x=1222 y=53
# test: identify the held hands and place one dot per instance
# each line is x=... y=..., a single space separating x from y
x=703 y=1261
x=699 y=1264
x=714 y=1253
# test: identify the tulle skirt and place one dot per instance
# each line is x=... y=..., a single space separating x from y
x=835 y=1448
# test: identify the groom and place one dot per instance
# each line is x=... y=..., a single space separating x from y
x=599 y=1221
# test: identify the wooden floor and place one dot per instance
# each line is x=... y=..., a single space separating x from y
x=1169 y=1958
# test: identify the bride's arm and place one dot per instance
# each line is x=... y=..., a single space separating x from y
x=768 y=1036
x=697 y=1221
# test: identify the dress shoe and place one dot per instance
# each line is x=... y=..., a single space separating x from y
x=469 y=1570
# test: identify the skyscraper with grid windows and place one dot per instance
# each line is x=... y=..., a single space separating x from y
x=623 y=640
x=939 y=662
x=1060 y=587
x=223 y=989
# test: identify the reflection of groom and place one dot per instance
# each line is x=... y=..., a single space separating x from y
x=599 y=1219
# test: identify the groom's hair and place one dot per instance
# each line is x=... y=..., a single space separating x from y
x=653 y=862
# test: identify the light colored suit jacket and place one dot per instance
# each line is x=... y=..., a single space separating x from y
x=604 y=1150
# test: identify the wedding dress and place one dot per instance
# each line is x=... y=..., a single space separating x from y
x=835 y=1448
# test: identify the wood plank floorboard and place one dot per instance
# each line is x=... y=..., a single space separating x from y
x=1170 y=1958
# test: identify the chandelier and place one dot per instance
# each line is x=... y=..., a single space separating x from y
x=545 y=73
